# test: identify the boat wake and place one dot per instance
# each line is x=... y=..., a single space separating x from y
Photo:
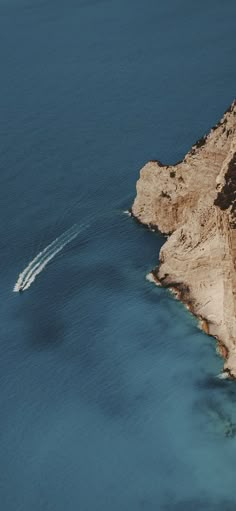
x=37 y=265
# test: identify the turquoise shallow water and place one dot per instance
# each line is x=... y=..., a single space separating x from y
x=108 y=392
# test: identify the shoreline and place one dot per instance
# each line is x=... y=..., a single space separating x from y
x=203 y=324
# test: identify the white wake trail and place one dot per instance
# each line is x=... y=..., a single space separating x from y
x=50 y=249
x=39 y=262
x=39 y=257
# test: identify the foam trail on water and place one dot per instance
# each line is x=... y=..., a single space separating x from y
x=39 y=262
x=52 y=248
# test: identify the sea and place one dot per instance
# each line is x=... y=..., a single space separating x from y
x=109 y=392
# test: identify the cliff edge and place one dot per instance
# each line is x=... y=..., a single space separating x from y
x=194 y=203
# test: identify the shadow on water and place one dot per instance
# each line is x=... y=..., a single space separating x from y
x=97 y=360
x=216 y=405
x=200 y=504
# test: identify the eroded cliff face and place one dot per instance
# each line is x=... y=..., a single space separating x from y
x=194 y=202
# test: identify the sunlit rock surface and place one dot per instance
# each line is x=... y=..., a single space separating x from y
x=194 y=202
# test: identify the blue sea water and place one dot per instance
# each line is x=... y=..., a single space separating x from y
x=109 y=399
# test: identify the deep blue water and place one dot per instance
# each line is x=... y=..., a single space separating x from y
x=109 y=399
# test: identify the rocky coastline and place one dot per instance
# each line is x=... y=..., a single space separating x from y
x=194 y=204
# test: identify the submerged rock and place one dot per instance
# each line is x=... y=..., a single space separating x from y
x=194 y=202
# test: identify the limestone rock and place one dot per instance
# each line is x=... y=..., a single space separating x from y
x=194 y=202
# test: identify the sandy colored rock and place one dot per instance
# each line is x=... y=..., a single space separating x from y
x=194 y=202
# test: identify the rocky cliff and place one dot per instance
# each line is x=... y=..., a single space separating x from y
x=194 y=203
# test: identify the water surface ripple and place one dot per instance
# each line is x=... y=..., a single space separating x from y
x=108 y=394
